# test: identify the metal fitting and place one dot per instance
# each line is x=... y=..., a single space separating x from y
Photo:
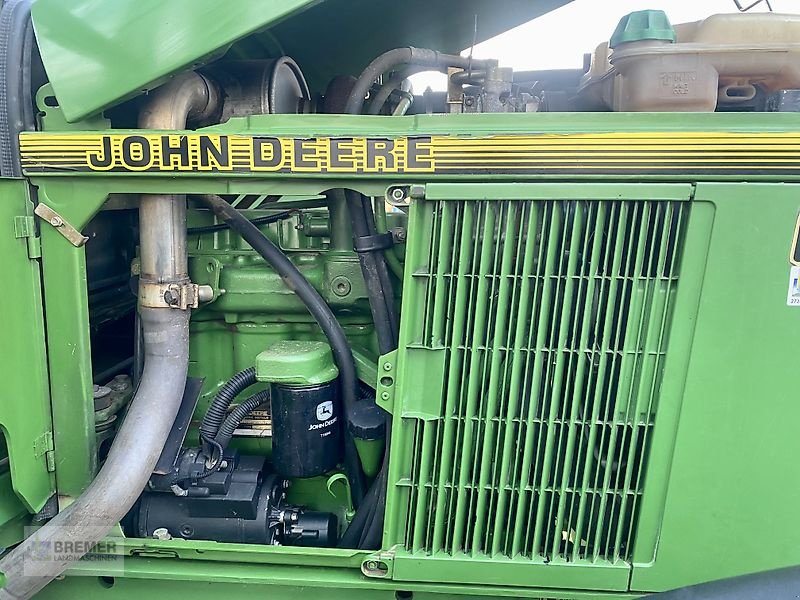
x=162 y=533
x=173 y=295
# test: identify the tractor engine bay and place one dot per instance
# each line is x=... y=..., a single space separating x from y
x=279 y=438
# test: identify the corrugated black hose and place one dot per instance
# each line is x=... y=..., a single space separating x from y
x=237 y=415
x=319 y=309
x=218 y=409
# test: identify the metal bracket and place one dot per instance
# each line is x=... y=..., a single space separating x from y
x=181 y=296
x=385 y=385
x=379 y=565
x=75 y=237
x=402 y=195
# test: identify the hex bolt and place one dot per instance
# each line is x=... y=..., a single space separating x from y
x=372 y=565
x=56 y=222
x=170 y=298
x=398 y=195
x=162 y=533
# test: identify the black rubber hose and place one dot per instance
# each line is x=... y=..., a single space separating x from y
x=237 y=415
x=380 y=295
x=319 y=309
x=281 y=216
x=399 y=56
x=367 y=531
x=361 y=520
x=380 y=97
x=218 y=409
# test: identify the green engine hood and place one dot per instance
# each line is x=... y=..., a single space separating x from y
x=98 y=53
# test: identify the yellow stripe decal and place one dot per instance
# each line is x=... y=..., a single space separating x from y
x=544 y=153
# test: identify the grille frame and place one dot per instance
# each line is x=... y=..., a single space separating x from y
x=432 y=555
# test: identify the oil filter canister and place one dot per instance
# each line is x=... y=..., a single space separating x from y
x=307 y=418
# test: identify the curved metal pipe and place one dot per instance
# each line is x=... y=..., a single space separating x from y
x=141 y=438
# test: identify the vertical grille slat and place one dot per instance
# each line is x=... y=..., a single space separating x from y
x=553 y=317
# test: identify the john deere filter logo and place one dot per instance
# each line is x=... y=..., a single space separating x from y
x=324 y=410
x=623 y=153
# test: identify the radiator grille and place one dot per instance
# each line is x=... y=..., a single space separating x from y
x=552 y=320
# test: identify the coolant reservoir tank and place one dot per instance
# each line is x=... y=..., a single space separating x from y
x=648 y=65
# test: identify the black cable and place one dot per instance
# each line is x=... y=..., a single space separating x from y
x=352 y=536
x=237 y=415
x=209 y=470
x=281 y=216
x=218 y=409
x=319 y=309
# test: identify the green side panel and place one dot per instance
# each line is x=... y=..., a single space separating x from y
x=24 y=399
x=13 y=514
x=68 y=339
x=166 y=577
x=731 y=504
x=550 y=308
x=98 y=53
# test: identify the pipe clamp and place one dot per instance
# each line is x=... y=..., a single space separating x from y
x=173 y=295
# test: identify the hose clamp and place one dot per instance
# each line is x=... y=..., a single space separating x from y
x=182 y=296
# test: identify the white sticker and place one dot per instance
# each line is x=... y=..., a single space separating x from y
x=324 y=411
x=793 y=298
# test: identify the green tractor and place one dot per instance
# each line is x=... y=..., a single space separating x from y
x=275 y=325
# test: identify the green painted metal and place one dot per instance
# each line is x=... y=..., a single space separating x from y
x=294 y=362
x=203 y=580
x=68 y=343
x=701 y=385
x=370 y=452
x=257 y=308
x=100 y=53
x=14 y=516
x=24 y=401
x=531 y=450
x=730 y=498
x=467 y=125
x=126 y=48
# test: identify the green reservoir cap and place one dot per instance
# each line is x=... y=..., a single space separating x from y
x=296 y=363
x=643 y=25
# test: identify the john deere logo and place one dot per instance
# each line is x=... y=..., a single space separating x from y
x=324 y=411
